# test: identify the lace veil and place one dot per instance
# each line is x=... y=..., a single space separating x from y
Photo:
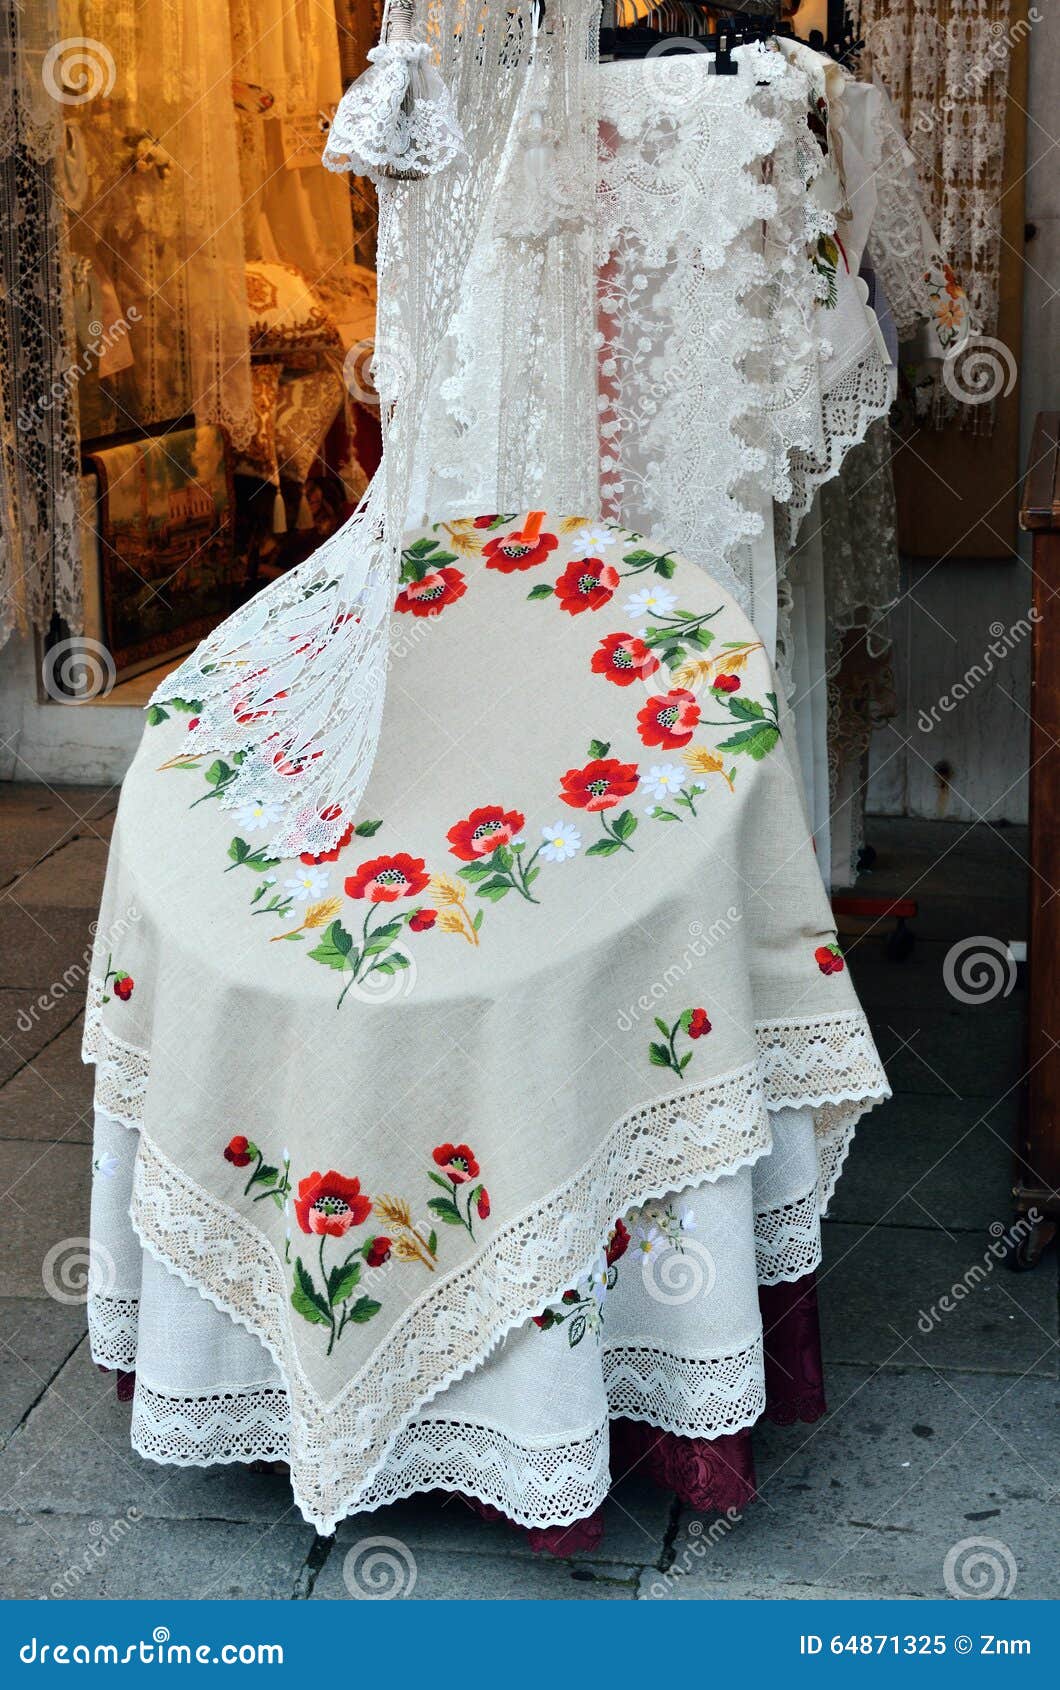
x=522 y=157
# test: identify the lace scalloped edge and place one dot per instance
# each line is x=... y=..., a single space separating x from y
x=337 y=1448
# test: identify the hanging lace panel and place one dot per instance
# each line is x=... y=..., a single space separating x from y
x=320 y=635
x=946 y=64
x=39 y=564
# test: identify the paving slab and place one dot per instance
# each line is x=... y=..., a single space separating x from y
x=123 y=1557
x=432 y=1576
x=45 y=950
x=659 y=1587
x=71 y=877
x=73 y=1456
x=952 y=1053
x=950 y=1157
x=35 y=820
x=51 y=1097
x=38 y=1338
x=919 y=1297
x=637 y=1517
x=45 y=1190
x=27 y=1026
x=906 y=1468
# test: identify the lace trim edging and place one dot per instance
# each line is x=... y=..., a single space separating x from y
x=337 y=1449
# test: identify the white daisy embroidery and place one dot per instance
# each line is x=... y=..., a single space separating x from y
x=648 y=602
x=257 y=815
x=586 y=542
x=307 y=883
x=663 y=780
x=562 y=841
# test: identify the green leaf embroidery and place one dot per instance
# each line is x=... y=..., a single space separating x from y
x=363 y=1309
x=446 y=1210
x=604 y=848
x=746 y=709
x=342 y=1280
x=599 y=747
x=626 y=824
x=756 y=742
x=334 y=948
x=306 y=1299
x=541 y=591
x=660 y=1056
x=365 y=830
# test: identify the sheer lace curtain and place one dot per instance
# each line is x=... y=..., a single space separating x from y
x=39 y=568
x=946 y=64
x=160 y=222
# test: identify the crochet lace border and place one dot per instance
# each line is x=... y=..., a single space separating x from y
x=700 y=1133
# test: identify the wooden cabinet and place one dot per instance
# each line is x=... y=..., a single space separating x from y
x=1038 y=1151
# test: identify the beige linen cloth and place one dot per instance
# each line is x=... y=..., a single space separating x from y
x=569 y=955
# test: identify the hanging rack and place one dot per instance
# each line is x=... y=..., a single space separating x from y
x=678 y=21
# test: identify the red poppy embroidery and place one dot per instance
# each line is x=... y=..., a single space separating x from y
x=725 y=683
x=377 y=1251
x=328 y=1203
x=669 y=721
x=624 y=658
x=239 y=1151
x=586 y=584
x=122 y=983
x=386 y=879
x=482 y=1204
x=457 y=1161
x=430 y=596
x=601 y=785
x=420 y=921
x=522 y=549
x=829 y=959
x=483 y=831
x=617 y=1244
x=699 y=1024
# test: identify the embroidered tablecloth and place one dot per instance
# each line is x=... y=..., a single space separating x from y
x=567 y=958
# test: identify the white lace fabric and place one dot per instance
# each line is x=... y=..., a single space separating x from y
x=337 y=1450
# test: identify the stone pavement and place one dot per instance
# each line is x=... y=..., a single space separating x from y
x=942 y=1429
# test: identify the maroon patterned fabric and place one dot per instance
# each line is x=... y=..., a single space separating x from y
x=711 y=1474
x=794 y=1368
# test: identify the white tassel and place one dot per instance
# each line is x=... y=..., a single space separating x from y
x=397 y=121
x=279 y=514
